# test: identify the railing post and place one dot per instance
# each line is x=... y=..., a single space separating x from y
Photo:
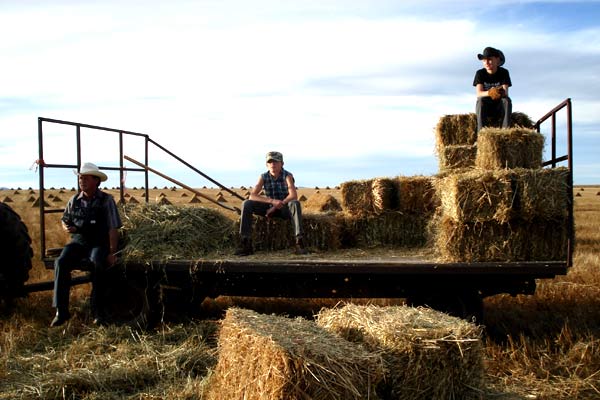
x=40 y=162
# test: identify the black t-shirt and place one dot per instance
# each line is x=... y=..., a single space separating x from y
x=489 y=81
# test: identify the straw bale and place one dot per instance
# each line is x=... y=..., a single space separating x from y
x=389 y=229
x=427 y=354
x=31 y=199
x=7 y=199
x=416 y=194
x=273 y=357
x=509 y=148
x=578 y=195
x=519 y=119
x=457 y=156
x=357 y=197
x=321 y=231
x=183 y=194
x=542 y=193
x=163 y=200
x=477 y=196
x=459 y=129
x=57 y=199
x=301 y=198
x=220 y=198
x=195 y=199
x=516 y=240
x=384 y=194
x=162 y=232
x=36 y=203
x=320 y=202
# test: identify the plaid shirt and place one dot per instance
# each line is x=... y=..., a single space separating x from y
x=276 y=188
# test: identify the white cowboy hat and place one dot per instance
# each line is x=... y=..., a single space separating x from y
x=91 y=169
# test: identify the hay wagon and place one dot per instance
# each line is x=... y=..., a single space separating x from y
x=457 y=287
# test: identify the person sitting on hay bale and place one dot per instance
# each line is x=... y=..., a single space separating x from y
x=280 y=200
x=491 y=85
x=92 y=219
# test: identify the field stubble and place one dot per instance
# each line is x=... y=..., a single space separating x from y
x=545 y=346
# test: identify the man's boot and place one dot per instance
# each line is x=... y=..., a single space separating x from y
x=300 y=250
x=245 y=248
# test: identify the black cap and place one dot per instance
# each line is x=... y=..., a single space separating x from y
x=491 y=52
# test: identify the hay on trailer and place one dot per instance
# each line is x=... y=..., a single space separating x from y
x=457 y=156
x=522 y=120
x=394 y=229
x=416 y=194
x=321 y=231
x=384 y=195
x=278 y=358
x=371 y=196
x=320 y=202
x=542 y=194
x=163 y=232
x=458 y=129
x=516 y=240
x=428 y=354
x=509 y=148
x=477 y=196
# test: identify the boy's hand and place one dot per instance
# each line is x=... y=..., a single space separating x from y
x=496 y=93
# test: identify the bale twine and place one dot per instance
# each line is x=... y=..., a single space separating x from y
x=278 y=358
x=320 y=202
x=509 y=148
x=477 y=196
x=427 y=354
x=394 y=229
x=154 y=232
x=416 y=194
x=457 y=156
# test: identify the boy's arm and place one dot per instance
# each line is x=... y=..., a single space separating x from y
x=255 y=192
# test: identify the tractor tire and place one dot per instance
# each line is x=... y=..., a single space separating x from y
x=15 y=253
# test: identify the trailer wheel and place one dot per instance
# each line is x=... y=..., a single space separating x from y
x=131 y=300
x=16 y=253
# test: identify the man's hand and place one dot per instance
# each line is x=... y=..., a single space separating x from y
x=497 y=92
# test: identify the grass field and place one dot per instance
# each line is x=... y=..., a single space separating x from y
x=545 y=346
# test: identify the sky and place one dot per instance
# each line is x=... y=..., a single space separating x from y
x=345 y=89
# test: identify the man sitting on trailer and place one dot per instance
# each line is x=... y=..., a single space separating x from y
x=92 y=219
x=491 y=86
x=280 y=200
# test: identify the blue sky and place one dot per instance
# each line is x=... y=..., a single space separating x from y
x=345 y=89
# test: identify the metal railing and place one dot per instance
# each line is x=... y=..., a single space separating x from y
x=121 y=167
x=554 y=160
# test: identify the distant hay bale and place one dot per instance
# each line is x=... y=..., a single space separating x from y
x=183 y=194
x=50 y=196
x=457 y=156
x=31 y=199
x=597 y=193
x=516 y=240
x=321 y=231
x=17 y=192
x=174 y=189
x=577 y=194
x=195 y=199
x=162 y=200
x=279 y=358
x=163 y=232
x=477 y=196
x=459 y=129
x=57 y=199
x=7 y=200
x=301 y=198
x=427 y=354
x=509 y=148
x=36 y=203
x=320 y=202
x=220 y=198
x=394 y=229
x=416 y=194
x=522 y=120
x=132 y=200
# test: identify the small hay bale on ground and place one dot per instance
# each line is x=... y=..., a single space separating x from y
x=278 y=358
x=321 y=231
x=320 y=202
x=516 y=240
x=389 y=229
x=457 y=156
x=162 y=232
x=509 y=148
x=428 y=354
x=477 y=196
x=459 y=129
x=416 y=194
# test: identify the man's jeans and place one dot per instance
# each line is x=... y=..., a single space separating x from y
x=70 y=259
x=293 y=211
x=487 y=108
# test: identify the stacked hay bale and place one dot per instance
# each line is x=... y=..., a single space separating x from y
x=427 y=354
x=456 y=141
x=387 y=211
x=272 y=357
x=506 y=209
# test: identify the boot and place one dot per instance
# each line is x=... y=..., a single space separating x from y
x=245 y=248
x=300 y=250
x=60 y=318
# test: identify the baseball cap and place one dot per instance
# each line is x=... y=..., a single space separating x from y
x=275 y=156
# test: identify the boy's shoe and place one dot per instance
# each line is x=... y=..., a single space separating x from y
x=245 y=248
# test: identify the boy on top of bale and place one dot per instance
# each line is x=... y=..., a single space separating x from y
x=280 y=200
x=491 y=86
